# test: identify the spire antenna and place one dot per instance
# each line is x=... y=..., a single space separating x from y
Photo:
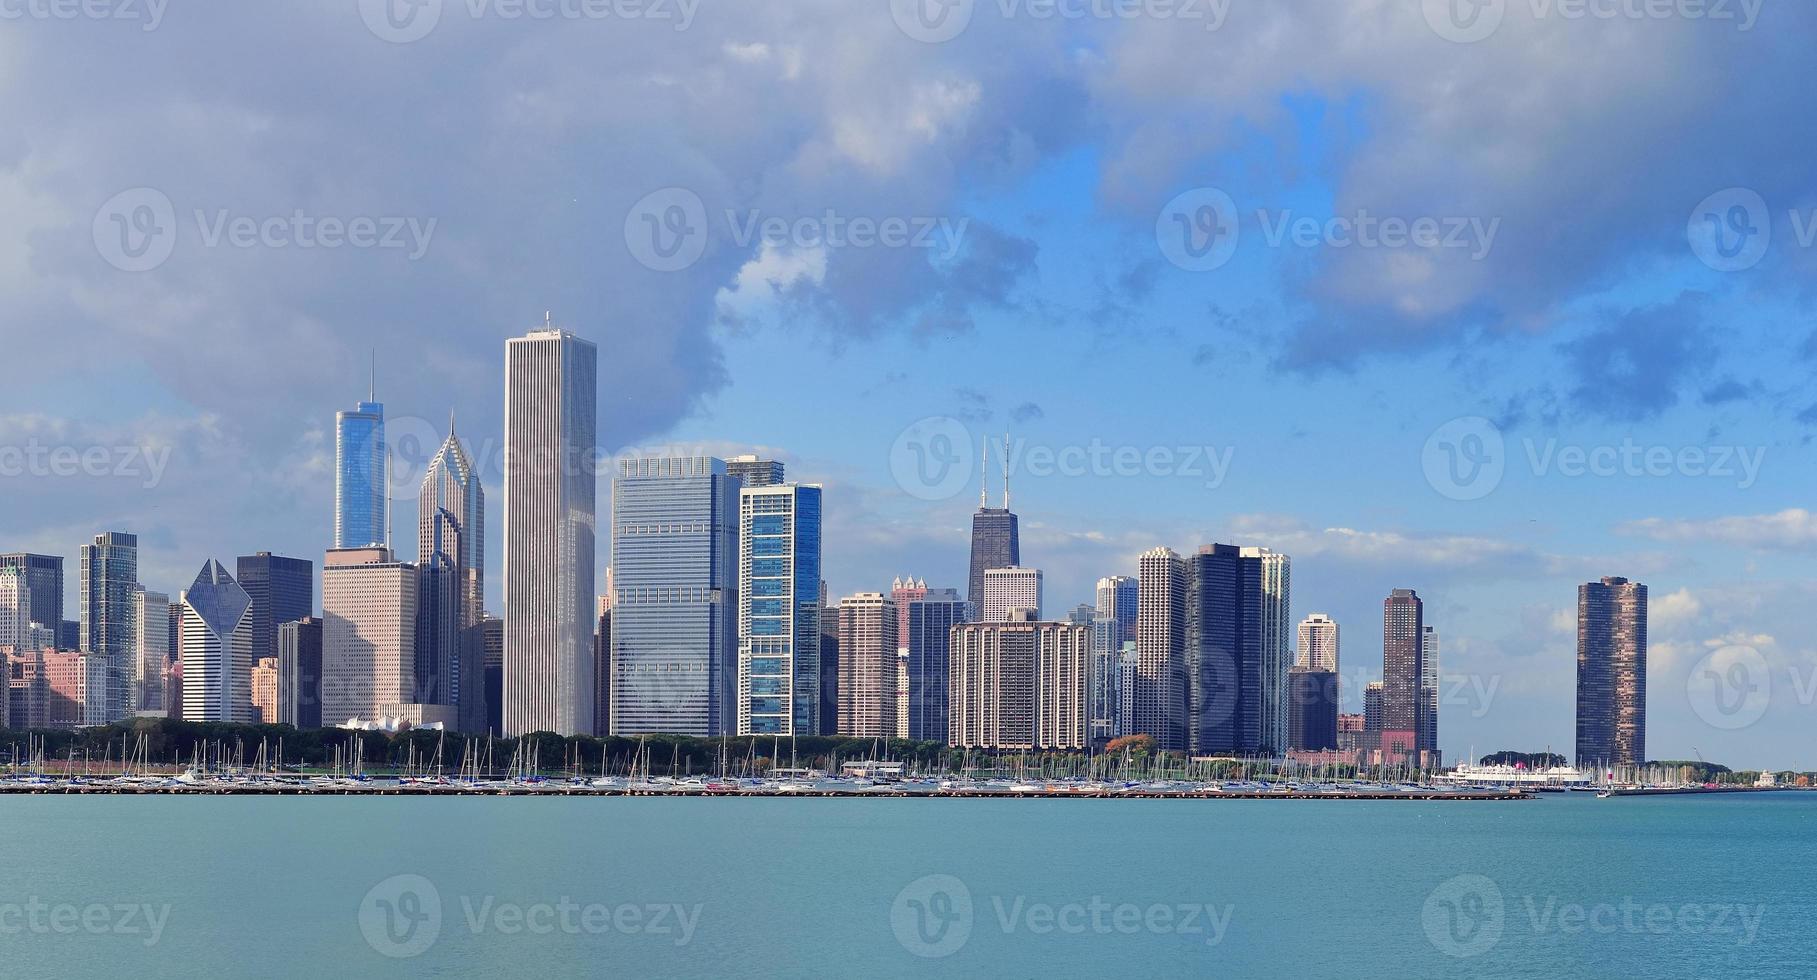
x=984 y=469
x=372 y=388
x=1006 y=471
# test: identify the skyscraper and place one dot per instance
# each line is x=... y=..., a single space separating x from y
x=751 y=471
x=110 y=577
x=1019 y=685
x=15 y=609
x=1118 y=596
x=996 y=540
x=1160 y=696
x=1312 y=707
x=484 y=642
x=779 y=682
x=1276 y=629
x=1428 y=740
x=867 y=666
x=675 y=581
x=216 y=649
x=551 y=409
x=1318 y=643
x=1007 y=590
x=44 y=575
x=931 y=619
x=369 y=620
x=451 y=523
x=1403 y=623
x=282 y=589
x=300 y=673
x=361 y=471
x=1611 y=673
x=151 y=654
x=1224 y=656
x=902 y=592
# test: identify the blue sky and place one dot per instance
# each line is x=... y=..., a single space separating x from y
x=1049 y=159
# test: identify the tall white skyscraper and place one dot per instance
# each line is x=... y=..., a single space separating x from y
x=1160 y=688
x=15 y=609
x=1009 y=589
x=1318 y=644
x=1277 y=644
x=1429 y=677
x=216 y=648
x=551 y=409
x=151 y=658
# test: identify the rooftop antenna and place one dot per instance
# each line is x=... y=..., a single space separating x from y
x=984 y=476
x=1006 y=471
x=372 y=388
x=548 y=320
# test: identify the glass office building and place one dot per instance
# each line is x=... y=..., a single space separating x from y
x=359 y=476
x=674 y=581
x=779 y=611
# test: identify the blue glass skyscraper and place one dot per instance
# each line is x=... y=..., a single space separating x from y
x=779 y=611
x=930 y=623
x=674 y=582
x=359 y=476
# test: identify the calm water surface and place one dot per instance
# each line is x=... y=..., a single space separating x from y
x=360 y=886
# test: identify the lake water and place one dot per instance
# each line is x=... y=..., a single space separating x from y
x=480 y=887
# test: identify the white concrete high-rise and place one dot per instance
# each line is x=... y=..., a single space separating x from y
x=15 y=609
x=216 y=648
x=1160 y=689
x=369 y=622
x=1318 y=644
x=1277 y=644
x=1009 y=589
x=551 y=419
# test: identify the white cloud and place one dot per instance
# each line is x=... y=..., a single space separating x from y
x=1793 y=529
